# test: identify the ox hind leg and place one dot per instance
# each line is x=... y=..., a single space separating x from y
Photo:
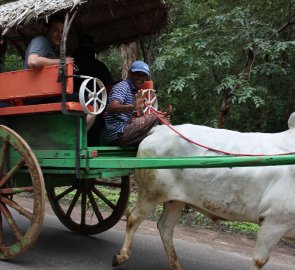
x=269 y=235
x=140 y=212
x=166 y=223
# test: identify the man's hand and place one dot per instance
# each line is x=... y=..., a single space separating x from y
x=138 y=106
x=139 y=101
x=69 y=60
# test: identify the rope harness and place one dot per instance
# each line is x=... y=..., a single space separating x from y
x=161 y=114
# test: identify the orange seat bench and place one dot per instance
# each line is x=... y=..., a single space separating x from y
x=35 y=83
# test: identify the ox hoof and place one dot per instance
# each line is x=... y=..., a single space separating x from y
x=119 y=259
x=115 y=261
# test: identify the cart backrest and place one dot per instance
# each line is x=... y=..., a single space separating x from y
x=32 y=83
x=17 y=86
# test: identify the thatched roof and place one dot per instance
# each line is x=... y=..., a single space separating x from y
x=109 y=21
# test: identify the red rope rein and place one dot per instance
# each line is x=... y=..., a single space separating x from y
x=157 y=113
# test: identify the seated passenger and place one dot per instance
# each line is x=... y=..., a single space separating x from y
x=42 y=51
x=123 y=127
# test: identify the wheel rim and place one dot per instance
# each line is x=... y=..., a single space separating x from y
x=91 y=209
x=17 y=156
x=96 y=94
x=151 y=101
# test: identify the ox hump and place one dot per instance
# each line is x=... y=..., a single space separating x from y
x=291 y=121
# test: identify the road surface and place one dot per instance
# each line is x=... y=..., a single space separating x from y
x=58 y=248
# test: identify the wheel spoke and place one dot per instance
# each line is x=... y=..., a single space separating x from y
x=88 y=90
x=73 y=203
x=101 y=90
x=83 y=209
x=89 y=101
x=63 y=194
x=95 y=107
x=94 y=86
x=16 y=231
x=12 y=172
x=2 y=242
x=17 y=207
x=3 y=157
x=11 y=191
x=107 y=183
x=103 y=198
x=95 y=208
x=99 y=100
x=153 y=100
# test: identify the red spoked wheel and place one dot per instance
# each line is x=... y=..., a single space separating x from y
x=90 y=206
x=150 y=100
x=22 y=195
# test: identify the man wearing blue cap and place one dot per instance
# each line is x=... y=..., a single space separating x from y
x=123 y=124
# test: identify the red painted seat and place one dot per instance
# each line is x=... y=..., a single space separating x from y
x=17 y=86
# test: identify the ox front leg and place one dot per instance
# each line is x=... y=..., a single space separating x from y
x=140 y=212
x=269 y=235
x=166 y=223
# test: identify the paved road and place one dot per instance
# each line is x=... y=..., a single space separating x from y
x=58 y=248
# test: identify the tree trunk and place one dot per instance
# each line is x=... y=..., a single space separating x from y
x=224 y=111
x=245 y=75
x=129 y=53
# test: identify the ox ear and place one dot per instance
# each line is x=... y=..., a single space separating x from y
x=291 y=121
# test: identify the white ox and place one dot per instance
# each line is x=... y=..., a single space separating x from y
x=263 y=195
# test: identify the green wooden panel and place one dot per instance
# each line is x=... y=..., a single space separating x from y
x=40 y=154
x=59 y=180
x=49 y=131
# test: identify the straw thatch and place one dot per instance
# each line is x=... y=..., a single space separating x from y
x=109 y=21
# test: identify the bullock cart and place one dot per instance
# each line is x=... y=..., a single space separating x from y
x=44 y=147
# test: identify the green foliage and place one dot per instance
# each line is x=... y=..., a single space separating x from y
x=6 y=1
x=111 y=59
x=241 y=227
x=13 y=62
x=205 y=51
x=191 y=217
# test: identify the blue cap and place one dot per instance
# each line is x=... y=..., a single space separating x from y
x=141 y=67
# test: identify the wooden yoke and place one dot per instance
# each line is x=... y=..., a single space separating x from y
x=17 y=86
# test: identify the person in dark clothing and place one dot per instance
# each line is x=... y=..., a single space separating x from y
x=88 y=65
